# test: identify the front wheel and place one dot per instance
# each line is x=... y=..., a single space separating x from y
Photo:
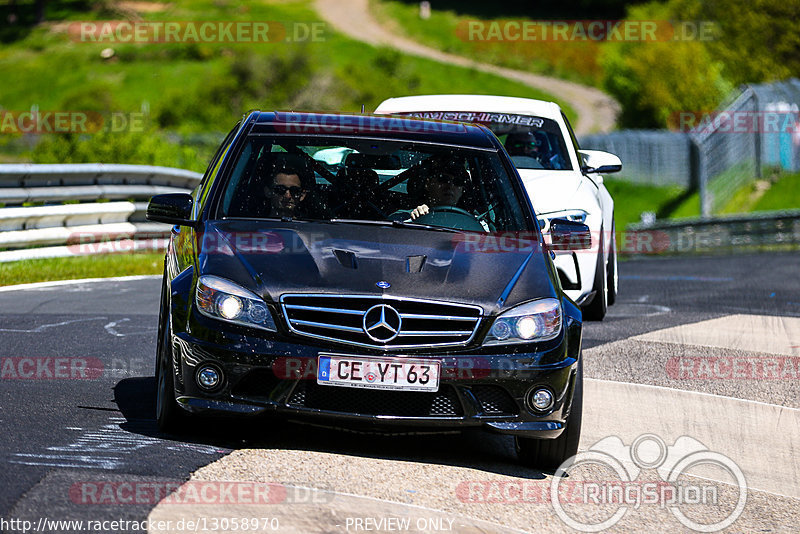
x=169 y=416
x=613 y=276
x=598 y=306
x=549 y=454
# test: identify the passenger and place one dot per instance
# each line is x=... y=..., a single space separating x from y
x=286 y=190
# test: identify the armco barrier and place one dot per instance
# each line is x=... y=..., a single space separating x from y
x=57 y=230
x=738 y=233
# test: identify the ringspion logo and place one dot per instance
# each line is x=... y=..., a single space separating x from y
x=622 y=488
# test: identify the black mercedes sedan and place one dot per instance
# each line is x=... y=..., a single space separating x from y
x=370 y=271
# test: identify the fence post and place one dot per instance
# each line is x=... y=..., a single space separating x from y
x=699 y=175
x=757 y=133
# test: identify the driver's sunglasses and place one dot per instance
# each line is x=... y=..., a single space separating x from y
x=450 y=179
x=281 y=190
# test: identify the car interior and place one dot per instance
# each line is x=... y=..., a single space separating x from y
x=374 y=181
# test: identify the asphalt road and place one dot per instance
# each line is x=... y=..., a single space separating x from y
x=86 y=414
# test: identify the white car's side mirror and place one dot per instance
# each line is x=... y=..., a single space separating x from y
x=597 y=161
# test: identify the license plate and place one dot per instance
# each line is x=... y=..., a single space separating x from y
x=378 y=373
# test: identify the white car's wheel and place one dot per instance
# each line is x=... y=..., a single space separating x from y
x=613 y=273
x=596 y=309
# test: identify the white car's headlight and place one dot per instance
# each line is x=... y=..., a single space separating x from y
x=222 y=299
x=539 y=320
x=570 y=215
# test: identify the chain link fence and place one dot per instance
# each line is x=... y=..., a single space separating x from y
x=715 y=152
x=653 y=157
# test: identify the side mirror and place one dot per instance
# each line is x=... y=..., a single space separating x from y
x=171 y=208
x=569 y=235
x=597 y=161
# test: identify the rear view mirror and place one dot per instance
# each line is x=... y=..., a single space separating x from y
x=369 y=161
x=597 y=161
x=171 y=208
x=569 y=235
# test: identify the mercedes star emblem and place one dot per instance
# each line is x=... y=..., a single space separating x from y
x=382 y=323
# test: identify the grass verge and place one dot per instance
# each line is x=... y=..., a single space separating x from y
x=194 y=87
x=631 y=200
x=102 y=266
x=448 y=31
x=782 y=195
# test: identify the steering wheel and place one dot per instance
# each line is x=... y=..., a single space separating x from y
x=451 y=217
x=450 y=209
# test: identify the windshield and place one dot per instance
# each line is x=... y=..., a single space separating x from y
x=532 y=142
x=372 y=181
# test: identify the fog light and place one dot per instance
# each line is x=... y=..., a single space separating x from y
x=208 y=377
x=540 y=399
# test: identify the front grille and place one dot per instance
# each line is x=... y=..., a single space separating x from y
x=495 y=400
x=423 y=323
x=443 y=403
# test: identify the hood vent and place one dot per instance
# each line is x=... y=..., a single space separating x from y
x=414 y=264
x=346 y=258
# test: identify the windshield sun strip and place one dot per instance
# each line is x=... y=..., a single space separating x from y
x=489 y=149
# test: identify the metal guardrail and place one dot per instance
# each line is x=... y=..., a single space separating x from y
x=738 y=233
x=59 y=230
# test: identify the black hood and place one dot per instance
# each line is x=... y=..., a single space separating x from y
x=272 y=257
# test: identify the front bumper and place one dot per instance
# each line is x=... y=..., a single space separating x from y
x=477 y=389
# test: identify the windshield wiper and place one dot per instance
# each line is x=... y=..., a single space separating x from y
x=406 y=224
x=398 y=224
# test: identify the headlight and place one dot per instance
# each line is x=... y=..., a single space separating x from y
x=222 y=299
x=539 y=320
x=570 y=215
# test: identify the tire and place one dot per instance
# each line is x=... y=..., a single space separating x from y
x=613 y=276
x=549 y=454
x=597 y=308
x=170 y=417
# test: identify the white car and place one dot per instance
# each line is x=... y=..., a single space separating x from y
x=562 y=180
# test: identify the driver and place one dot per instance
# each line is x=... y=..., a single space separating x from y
x=443 y=187
x=529 y=144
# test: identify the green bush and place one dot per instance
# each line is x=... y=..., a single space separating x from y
x=143 y=148
x=654 y=80
x=756 y=40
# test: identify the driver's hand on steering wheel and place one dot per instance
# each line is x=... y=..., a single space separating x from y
x=419 y=211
